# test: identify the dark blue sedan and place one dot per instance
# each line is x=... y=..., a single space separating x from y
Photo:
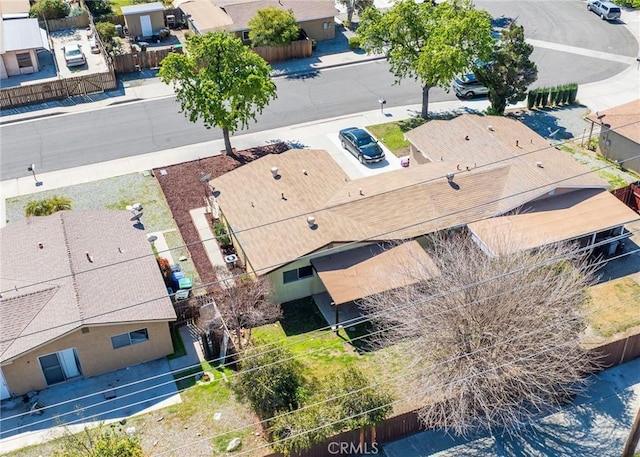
x=362 y=145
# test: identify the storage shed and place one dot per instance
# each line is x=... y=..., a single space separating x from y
x=144 y=20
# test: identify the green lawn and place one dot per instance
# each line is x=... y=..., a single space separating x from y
x=320 y=350
x=116 y=4
x=391 y=134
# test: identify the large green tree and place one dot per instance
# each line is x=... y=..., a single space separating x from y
x=219 y=81
x=510 y=71
x=49 y=9
x=271 y=381
x=272 y=26
x=429 y=43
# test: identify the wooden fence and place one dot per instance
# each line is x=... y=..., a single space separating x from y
x=57 y=89
x=294 y=50
x=396 y=427
x=618 y=351
x=629 y=195
x=75 y=22
x=137 y=61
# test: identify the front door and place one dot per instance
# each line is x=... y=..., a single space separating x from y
x=145 y=24
x=60 y=366
x=4 y=390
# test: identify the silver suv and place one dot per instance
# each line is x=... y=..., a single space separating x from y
x=606 y=10
x=468 y=86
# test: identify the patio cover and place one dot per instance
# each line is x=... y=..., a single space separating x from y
x=562 y=218
x=372 y=269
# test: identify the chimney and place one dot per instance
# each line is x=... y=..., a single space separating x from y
x=274 y=172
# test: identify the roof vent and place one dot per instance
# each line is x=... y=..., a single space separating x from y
x=274 y=172
x=539 y=164
x=41 y=246
x=304 y=172
x=466 y=137
x=361 y=191
x=450 y=177
x=311 y=220
x=89 y=258
x=490 y=128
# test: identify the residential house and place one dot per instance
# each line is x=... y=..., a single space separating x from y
x=287 y=212
x=315 y=17
x=144 y=19
x=81 y=295
x=20 y=39
x=620 y=134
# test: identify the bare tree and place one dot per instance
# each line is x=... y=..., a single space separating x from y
x=243 y=303
x=491 y=340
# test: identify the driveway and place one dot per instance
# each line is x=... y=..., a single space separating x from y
x=596 y=424
x=105 y=398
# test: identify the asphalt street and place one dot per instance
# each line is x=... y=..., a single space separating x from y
x=126 y=130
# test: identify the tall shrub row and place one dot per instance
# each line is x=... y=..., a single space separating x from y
x=552 y=96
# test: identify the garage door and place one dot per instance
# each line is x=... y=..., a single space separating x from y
x=4 y=390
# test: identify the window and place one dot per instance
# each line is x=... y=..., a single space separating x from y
x=245 y=35
x=127 y=339
x=24 y=60
x=326 y=25
x=297 y=274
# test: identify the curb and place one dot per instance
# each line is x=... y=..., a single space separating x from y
x=324 y=67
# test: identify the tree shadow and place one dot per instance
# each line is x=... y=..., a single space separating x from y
x=304 y=75
x=301 y=316
x=546 y=123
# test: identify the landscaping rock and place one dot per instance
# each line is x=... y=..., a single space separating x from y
x=234 y=444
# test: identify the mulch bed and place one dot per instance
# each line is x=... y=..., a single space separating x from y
x=184 y=191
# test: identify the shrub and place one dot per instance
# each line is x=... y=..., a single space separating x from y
x=99 y=7
x=354 y=42
x=106 y=31
x=49 y=9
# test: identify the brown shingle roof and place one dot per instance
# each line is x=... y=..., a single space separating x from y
x=62 y=290
x=560 y=218
x=234 y=15
x=241 y=11
x=623 y=119
x=399 y=204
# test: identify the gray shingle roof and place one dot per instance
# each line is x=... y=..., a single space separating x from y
x=50 y=291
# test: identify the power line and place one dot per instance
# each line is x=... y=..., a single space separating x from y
x=327 y=251
x=378 y=384
x=186 y=245
x=251 y=356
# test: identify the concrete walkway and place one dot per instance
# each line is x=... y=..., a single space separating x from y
x=191 y=339
x=210 y=244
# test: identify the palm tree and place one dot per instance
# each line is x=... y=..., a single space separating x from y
x=47 y=206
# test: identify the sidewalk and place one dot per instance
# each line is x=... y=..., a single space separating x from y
x=611 y=92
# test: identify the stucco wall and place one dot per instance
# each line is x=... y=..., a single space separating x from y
x=11 y=63
x=283 y=293
x=316 y=30
x=132 y=21
x=95 y=353
x=617 y=147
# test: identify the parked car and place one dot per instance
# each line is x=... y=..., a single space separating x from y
x=362 y=145
x=73 y=55
x=468 y=86
x=606 y=10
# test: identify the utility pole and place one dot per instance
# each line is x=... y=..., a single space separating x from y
x=634 y=438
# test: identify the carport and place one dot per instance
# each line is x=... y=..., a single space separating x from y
x=368 y=270
x=588 y=216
